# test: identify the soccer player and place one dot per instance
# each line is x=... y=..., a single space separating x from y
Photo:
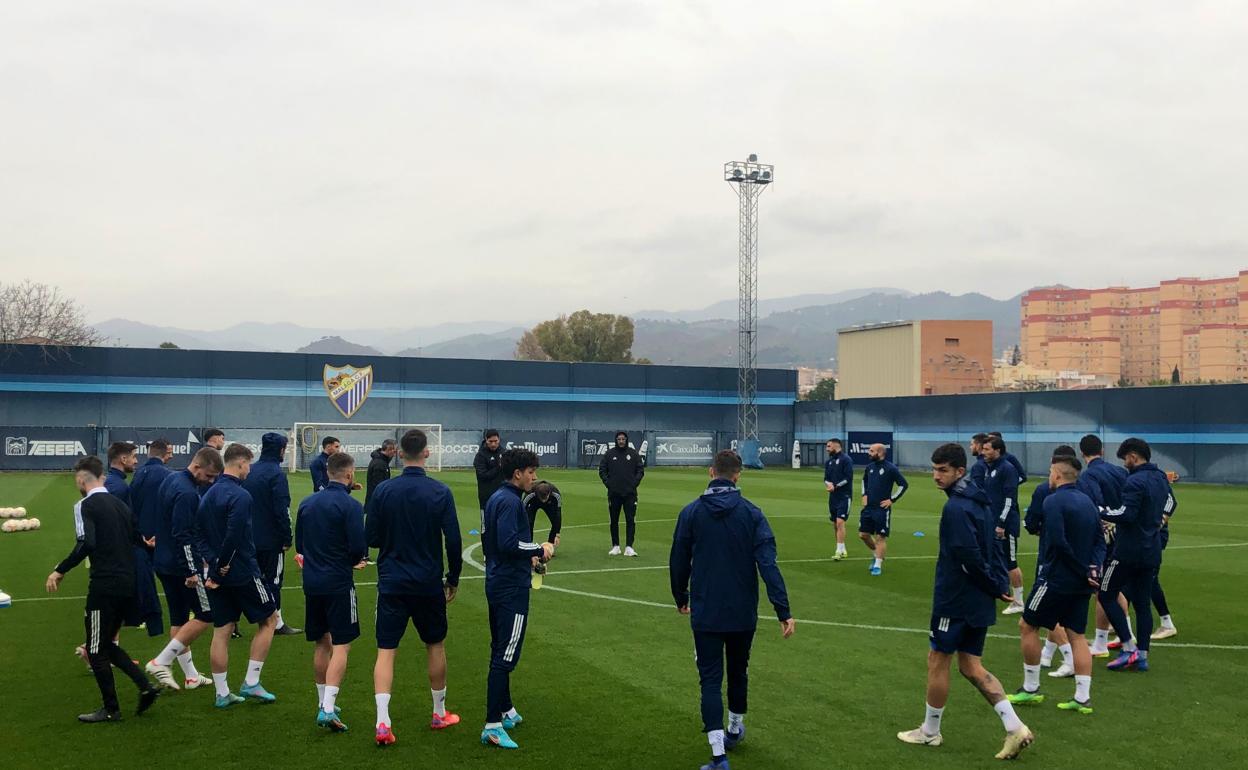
x=145 y=502
x=409 y=519
x=329 y=534
x=874 y=523
x=319 y=465
x=144 y=610
x=721 y=545
x=1146 y=500
x=1111 y=479
x=980 y=468
x=379 y=467
x=1012 y=460
x=178 y=565
x=215 y=438
x=545 y=497
x=486 y=466
x=621 y=471
x=968 y=579
x=1001 y=486
x=107 y=534
x=1068 y=572
x=223 y=533
x=510 y=556
x=122 y=459
x=838 y=478
x=270 y=518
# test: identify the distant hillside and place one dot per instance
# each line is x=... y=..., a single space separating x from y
x=338 y=346
x=727 y=309
x=500 y=345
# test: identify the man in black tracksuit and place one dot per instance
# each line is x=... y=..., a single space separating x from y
x=379 y=467
x=488 y=468
x=107 y=533
x=621 y=470
x=545 y=497
x=722 y=544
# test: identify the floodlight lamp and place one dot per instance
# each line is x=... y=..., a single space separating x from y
x=754 y=174
x=753 y=158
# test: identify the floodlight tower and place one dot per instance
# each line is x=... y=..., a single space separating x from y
x=749 y=179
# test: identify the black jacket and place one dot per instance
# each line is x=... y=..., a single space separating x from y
x=378 y=471
x=489 y=472
x=621 y=471
x=107 y=533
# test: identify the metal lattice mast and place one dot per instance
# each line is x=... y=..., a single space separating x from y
x=749 y=179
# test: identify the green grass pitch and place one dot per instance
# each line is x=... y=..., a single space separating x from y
x=607 y=678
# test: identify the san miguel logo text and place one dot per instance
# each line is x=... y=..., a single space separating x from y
x=348 y=387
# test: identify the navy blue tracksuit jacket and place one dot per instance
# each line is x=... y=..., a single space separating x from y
x=223 y=532
x=1001 y=486
x=839 y=471
x=410 y=517
x=969 y=577
x=878 y=478
x=721 y=546
x=176 y=553
x=319 y=468
x=1070 y=542
x=329 y=533
x=507 y=543
x=1146 y=497
x=270 y=497
x=1110 y=478
x=145 y=494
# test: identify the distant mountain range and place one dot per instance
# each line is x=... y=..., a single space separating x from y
x=793 y=331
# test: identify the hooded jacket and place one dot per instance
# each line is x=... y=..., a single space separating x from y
x=1071 y=542
x=722 y=544
x=378 y=471
x=969 y=576
x=270 y=495
x=621 y=471
x=489 y=470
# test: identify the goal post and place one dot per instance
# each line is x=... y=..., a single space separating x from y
x=357 y=439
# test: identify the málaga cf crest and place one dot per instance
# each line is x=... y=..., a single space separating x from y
x=348 y=387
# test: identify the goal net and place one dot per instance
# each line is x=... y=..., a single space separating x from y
x=357 y=439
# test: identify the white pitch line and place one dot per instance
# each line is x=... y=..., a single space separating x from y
x=857 y=626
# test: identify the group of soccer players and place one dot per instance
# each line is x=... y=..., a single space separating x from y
x=1101 y=529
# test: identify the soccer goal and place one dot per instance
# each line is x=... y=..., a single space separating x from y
x=357 y=439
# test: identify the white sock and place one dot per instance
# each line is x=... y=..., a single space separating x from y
x=1031 y=678
x=735 y=722
x=1068 y=654
x=383 y=708
x=1046 y=657
x=1129 y=646
x=439 y=702
x=879 y=562
x=1143 y=654
x=931 y=721
x=223 y=689
x=188 y=666
x=320 y=693
x=331 y=695
x=1166 y=622
x=511 y=713
x=1018 y=594
x=1009 y=719
x=253 y=672
x=171 y=651
x=716 y=739
x=280 y=622
x=499 y=725
x=1083 y=688
x=1102 y=638
x=840 y=548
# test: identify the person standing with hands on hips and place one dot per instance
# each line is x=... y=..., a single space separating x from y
x=621 y=471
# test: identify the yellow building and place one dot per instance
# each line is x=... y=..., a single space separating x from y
x=913 y=358
x=1198 y=325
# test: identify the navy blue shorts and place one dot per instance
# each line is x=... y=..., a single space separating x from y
x=253 y=599
x=950 y=635
x=427 y=612
x=838 y=507
x=1008 y=546
x=1046 y=609
x=185 y=603
x=333 y=614
x=875 y=521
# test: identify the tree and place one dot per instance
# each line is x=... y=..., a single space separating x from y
x=36 y=313
x=582 y=336
x=1175 y=379
x=168 y=346
x=824 y=390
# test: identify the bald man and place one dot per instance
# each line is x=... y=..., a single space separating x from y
x=878 y=480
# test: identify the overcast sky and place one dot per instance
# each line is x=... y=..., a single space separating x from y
x=189 y=163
